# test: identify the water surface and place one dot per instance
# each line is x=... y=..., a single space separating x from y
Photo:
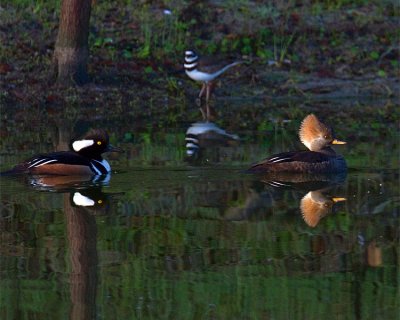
x=164 y=237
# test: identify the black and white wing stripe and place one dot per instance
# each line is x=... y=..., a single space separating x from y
x=296 y=156
x=37 y=162
x=62 y=157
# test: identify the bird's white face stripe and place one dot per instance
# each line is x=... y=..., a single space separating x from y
x=192 y=145
x=189 y=60
x=194 y=140
x=81 y=200
x=80 y=144
x=190 y=65
x=189 y=52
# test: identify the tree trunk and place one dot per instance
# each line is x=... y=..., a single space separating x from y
x=71 y=50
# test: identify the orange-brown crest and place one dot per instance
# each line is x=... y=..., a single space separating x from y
x=312 y=210
x=310 y=129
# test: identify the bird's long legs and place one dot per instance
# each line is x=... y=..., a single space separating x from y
x=208 y=91
x=204 y=86
x=207 y=88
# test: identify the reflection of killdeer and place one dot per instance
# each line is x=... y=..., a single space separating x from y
x=204 y=70
x=206 y=134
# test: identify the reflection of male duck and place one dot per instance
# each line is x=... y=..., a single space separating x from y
x=92 y=198
x=202 y=135
x=85 y=191
x=66 y=183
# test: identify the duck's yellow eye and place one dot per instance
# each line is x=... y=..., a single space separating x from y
x=100 y=201
x=99 y=142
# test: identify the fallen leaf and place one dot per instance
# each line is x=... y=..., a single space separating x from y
x=5 y=68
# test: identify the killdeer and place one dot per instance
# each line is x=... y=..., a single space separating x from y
x=204 y=70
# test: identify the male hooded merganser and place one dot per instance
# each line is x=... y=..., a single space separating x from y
x=83 y=159
x=321 y=158
x=204 y=70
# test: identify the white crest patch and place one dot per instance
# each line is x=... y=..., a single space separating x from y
x=81 y=200
x=80 y=144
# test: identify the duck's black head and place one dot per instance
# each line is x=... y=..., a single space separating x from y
x=93 y=144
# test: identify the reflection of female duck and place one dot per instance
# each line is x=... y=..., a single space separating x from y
x=320 y=158
x=303 y=181
x=315 y=205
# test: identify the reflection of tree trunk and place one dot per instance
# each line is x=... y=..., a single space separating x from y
x=81 y=228
x=64 y=136
x=71 y=49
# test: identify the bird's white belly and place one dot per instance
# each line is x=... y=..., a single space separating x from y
x=200 y=76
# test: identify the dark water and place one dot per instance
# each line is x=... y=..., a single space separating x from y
x=164 y=238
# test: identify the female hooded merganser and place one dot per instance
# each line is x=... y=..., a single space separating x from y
x=84 y=159
x=321 y=158
x=204 y=70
